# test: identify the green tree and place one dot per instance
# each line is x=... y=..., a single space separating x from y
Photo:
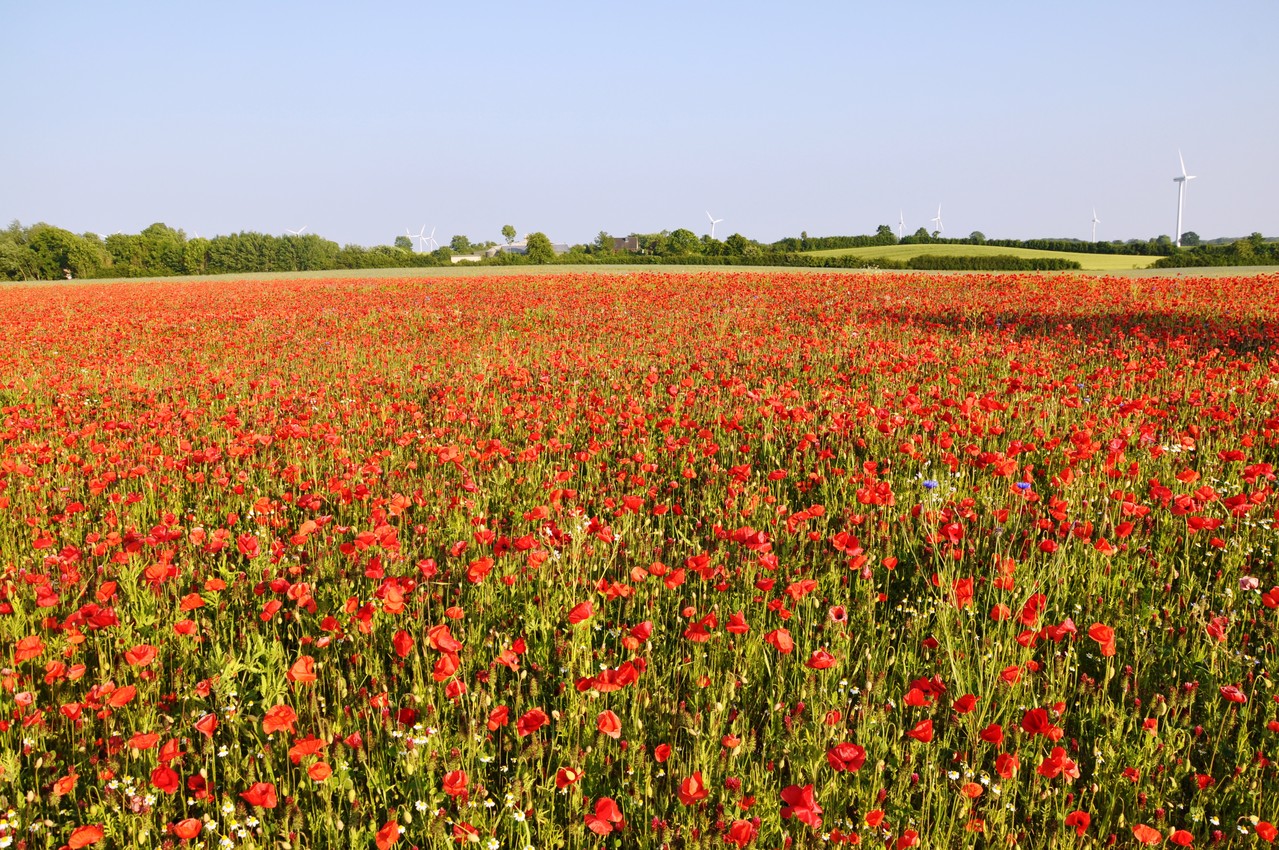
x=57 y=253
x=509 y=233
x=977 y=237
x=16 y=261
x=603 y=243
x=1190 y=239
x=164 y=250
x=539 y=247
x=404 y=243
x=653 y=243
x=682 y=243
x=884 y=235
x=736 y=245
x=460 y=244
x=195 y=256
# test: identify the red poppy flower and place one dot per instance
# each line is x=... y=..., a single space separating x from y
x=65 y=785
x=83 y=836
x=445 y=666
x=780 y=640
x=1079 y=820
x=1233 y=694
x=302 y=670
x=498 y=718
x=455 y=782
x=821 y=660
x=1105 y=636
x=207 y=724
x=606 y=817
x=388 y=835
x=279 y=718
x=531 y=721
x=801 y=805
x=922 y=731
x=140 y=655
x=1147 y=835
x=319 y=771
x=740 y=833
x=27 y=648
x=1056 y=763
x=261 y=794
x=566 y=776
x=442 y=640
x=402 y=641
x=693 y=789
x=1182 y=838
x=166 y=779
x=1267 y=831
x=846 y=757
x=144 y=740
x=609 y=723
x=187 y=829
x=581 y=611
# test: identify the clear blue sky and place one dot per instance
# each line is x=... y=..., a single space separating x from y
x=358 y=120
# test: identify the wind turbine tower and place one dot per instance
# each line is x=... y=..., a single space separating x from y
x=1181 y=194
x=1095 y=221
x=714 y=221
x=901 y=224
x=937 y=218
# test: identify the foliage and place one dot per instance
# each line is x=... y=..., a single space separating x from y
x=509 y=233
x=538 y=248
x=1252 y=251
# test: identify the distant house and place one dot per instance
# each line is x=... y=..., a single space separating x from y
x=628 y=243
x=522 y=248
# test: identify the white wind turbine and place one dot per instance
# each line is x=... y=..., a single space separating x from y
x=297 y=232
x=1181 y=194
x=937 y=218
x=420 y=236
x=429 y=238
x=714 y=221
x=1095 y=221
x=901 y=223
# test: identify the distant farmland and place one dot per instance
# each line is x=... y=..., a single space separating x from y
x=901 y=253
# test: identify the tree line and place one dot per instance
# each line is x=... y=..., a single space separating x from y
x=45 y=252
x=1254 y=250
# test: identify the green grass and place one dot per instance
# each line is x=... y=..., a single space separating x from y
x=1098 y=267
x=1090 y=262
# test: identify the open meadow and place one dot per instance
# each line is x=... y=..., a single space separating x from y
x=647 y=559
x=1089 y=262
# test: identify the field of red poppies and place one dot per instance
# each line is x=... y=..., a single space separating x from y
x=717 y=560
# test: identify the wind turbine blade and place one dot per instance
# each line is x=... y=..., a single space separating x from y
x=1183 y=163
